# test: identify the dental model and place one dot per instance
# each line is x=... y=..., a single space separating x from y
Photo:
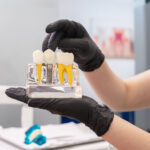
x=38 y=59
x=65 y=62
x=34 y=135
x=53 y=75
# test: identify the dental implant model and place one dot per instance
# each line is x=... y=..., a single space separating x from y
x=53 y=75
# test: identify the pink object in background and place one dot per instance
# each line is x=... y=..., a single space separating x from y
x=116 y=45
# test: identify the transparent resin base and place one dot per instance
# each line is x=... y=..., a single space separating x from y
x=50 y=86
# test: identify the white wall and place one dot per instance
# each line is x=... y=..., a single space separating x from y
x=22 y=30
x=93 y=13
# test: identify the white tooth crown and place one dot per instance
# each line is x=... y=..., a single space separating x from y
x=38 y=57
x=49 y=56
x=64 y=58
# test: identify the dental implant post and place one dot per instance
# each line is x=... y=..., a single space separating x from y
x=49 y=57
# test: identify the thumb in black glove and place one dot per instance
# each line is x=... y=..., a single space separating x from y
x=72 y=37
x=85 y=109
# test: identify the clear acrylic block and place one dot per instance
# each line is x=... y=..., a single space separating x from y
x=50 y=85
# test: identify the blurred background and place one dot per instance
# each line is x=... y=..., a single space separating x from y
x=119 y=27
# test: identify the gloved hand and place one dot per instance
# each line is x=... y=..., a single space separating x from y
x=85 y=110
x=70 y=36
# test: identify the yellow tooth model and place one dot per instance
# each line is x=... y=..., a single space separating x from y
x=39 y=72
x=65 y=61
x=38 y=59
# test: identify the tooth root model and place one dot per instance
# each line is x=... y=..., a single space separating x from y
x=39 y=72
x=61 y=73
x=70 y=74
x=49 y=57
x=65 y=68
x=65 y=61
x=38 y=59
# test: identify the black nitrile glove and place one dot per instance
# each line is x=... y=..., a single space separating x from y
x=85 y=110
x=70 y=36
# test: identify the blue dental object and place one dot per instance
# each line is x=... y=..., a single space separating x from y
x=34 y=135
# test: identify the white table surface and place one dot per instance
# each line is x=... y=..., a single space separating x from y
x=95 y=146
x=70 y=132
